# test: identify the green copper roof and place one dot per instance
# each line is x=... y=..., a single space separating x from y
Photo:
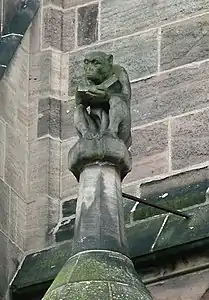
x=14 y=31
x=150 y=236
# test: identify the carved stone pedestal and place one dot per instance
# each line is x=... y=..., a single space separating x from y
x=99 y=268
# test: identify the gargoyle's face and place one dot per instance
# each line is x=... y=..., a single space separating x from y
x=97 y=66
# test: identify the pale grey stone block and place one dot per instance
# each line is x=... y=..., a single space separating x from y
x=15 y=256
x=3 y=265
x=190 y=140
x=138 y=54
x=54 y=121
x=43 y=117
x=178 y=181
x=69 y=183
x=10 y=258
x=37 y=215
x=185 y=42
x=49 y=117
x=17 y=73
x=35 y=32
x=171 y=93
x=2 y=146
x=49 y=74
x=18 y=219
x=192 y=286
x=130 y=188
x=38 y=168
x=16 y=160
x=56 y=118
x=149 y=152
x=67 y=124
x=52 y=28
x=8 y=103
x=14 y=90
x=42 y=216
x=52 y=218
x=69 y=186
x=40 y=70
x=4 y=206
x=54 y=168
x=25 y=42
x=87 y=30
x=122 y=17
x=68 y=30
x=72 y=3
x=33 y=118
x=54 y=2
x=65 y=148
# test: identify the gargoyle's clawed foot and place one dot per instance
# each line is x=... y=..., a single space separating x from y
x=89 y=136
x=99 y=135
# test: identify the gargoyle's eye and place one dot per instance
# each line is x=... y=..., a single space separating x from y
x=96 y=62
x=86 y=61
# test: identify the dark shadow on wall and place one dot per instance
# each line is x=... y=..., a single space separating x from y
x=205 y=295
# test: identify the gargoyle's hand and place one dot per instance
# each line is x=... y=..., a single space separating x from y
x=96 y=92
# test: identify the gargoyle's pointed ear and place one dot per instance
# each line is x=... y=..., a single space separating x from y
x=110 y=59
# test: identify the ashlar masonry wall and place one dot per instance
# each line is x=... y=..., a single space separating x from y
x=13 y=164
x=164 y=45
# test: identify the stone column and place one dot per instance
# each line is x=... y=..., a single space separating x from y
x=99 y=215
x=99 y=267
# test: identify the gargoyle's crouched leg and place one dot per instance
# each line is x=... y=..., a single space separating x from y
x=83 y=123
x=101 y=118
x=120 y=120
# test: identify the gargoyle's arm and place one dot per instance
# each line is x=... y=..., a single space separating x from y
x=125 y=93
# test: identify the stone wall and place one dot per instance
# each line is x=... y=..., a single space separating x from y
x=164 y=48
x=189 y=287
x=14 y=136
x=163 y=45
x=13 y=163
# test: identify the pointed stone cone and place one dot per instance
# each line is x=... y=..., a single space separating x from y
x=99 y=268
